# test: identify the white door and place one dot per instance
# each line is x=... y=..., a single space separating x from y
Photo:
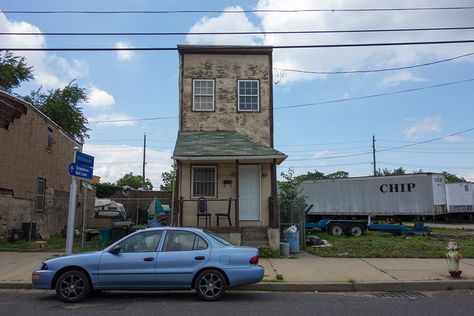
x=249 y=192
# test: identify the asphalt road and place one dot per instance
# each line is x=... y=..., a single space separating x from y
x=37 y=302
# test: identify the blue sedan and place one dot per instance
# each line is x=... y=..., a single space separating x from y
x=162 y=258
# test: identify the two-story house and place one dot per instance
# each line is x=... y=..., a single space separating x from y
x=224 y=155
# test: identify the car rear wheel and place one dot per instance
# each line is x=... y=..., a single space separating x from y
x=336 y=229
x=72 y=286
x=210 y=285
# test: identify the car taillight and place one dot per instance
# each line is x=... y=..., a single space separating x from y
x=253 y=260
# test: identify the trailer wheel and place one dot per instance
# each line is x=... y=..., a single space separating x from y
x=336 y=229
x=356 y=230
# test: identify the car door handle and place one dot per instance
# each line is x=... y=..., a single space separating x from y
x=199 y=258
x=149 y=259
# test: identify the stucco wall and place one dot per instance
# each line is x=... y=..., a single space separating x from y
x=226 y=70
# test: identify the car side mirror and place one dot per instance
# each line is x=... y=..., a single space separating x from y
x=115 y=250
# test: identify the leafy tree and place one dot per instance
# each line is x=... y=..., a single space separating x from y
x=338 y=175
x=387 y=172
x=452 y=177
x=290 y=197
x=168 y=179
x=13 y=71
x=318 y=175
x=134 y=181
x=61 y=106
x=106 y=189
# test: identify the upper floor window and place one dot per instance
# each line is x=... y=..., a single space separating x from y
x=248 y=95
x=204 y=181
x=203 y=95
x=40 y=194
x=50 y=139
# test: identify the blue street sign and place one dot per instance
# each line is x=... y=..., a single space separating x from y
x=84 y=160
x=80 y=171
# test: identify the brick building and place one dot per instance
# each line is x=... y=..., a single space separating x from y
x=34 y=157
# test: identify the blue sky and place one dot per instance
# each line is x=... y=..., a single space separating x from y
x=136 y=85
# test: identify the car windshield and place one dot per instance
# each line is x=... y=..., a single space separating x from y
x=217 y=238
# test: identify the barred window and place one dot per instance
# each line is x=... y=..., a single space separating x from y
x=203 y=95
x=40 y=193
x=248 y=95
x=204 y=181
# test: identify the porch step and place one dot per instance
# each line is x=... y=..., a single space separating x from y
x=255 y=237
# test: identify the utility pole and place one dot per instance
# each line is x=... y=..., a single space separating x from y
x=144 y=154
x=373 y=155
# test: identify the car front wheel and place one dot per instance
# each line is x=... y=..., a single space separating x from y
x=72 y=286
x=210 y=285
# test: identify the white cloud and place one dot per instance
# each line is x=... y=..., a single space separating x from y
x=98 y=98
x=320 y=153
x=425 y=126
x=111 y=162
x=401 y=76
x=453 y=139
x=124 y=54
x=334 y=59
x=50 y=71
x=116 y=120
x=235 y=22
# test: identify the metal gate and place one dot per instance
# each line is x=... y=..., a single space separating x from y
x=292 y=212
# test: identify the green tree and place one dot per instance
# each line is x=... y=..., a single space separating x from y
x=338 y=175
x=168 y=179
x=318 y=175
x=62 y=106
x=452 y=177
x=387 y=172
x=134 y=181
x=106 y=189
x=13 y=71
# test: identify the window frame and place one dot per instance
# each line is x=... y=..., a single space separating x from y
x=142 y=235
x=196 y=196
x=239 y=109
x=42 y=196
x=50 y=139
x=194 y=95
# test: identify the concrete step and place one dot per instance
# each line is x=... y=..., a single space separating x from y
x=255 y=237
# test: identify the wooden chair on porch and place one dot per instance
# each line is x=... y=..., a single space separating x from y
x=202 y=211
x=219 y=215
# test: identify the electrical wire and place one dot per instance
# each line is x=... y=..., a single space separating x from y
x=234 y=11
x=456 y=28
x=373 y=70
x=230 y=48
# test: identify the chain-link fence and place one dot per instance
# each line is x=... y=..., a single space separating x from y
x=292 y=212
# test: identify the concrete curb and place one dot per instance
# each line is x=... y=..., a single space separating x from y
x=330 y=287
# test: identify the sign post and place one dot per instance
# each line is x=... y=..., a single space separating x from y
x=82 y=167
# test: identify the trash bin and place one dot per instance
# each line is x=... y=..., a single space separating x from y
x=104 y=235
x=285 y=249
x=293 y=238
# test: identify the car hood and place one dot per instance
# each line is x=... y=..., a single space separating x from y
x=89 y=257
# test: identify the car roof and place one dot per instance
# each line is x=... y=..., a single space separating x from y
x=192 y=229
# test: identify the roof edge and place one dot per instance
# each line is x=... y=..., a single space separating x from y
x=225 y=49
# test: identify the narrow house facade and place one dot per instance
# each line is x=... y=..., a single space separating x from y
x=224 y=155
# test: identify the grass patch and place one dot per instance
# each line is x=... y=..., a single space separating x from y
x=55 y=243
x=385 y=245
x=267 y=252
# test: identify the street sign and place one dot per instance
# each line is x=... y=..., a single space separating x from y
x=80 y=171
x=84 y=160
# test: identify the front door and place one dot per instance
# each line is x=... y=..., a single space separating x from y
x=249 y=192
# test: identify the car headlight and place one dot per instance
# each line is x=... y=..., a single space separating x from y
x=44 y=266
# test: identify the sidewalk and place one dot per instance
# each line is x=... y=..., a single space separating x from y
x=304 y=272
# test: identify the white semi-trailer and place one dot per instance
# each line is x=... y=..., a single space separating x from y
x=421 y=194
x=460 y=197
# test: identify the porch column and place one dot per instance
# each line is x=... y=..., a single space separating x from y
x=274 y=211
x=237 y=220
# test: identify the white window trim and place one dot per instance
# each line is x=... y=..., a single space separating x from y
x=192 y=182
x=258 y=95
x=213 y=95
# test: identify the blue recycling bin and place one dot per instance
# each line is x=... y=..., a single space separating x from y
x=293 y=238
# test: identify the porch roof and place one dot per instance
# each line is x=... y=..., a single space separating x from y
x=221 y=146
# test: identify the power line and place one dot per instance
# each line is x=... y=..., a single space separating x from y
x=230 y=48
x=373 y=70
x=327 y=166
x=427 y=166
x=457 y=28
x=375 y=95
x=233 y=11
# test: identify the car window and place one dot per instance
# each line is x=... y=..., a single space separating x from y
x=183 y=241
x=142 y=242
x=217 y=238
